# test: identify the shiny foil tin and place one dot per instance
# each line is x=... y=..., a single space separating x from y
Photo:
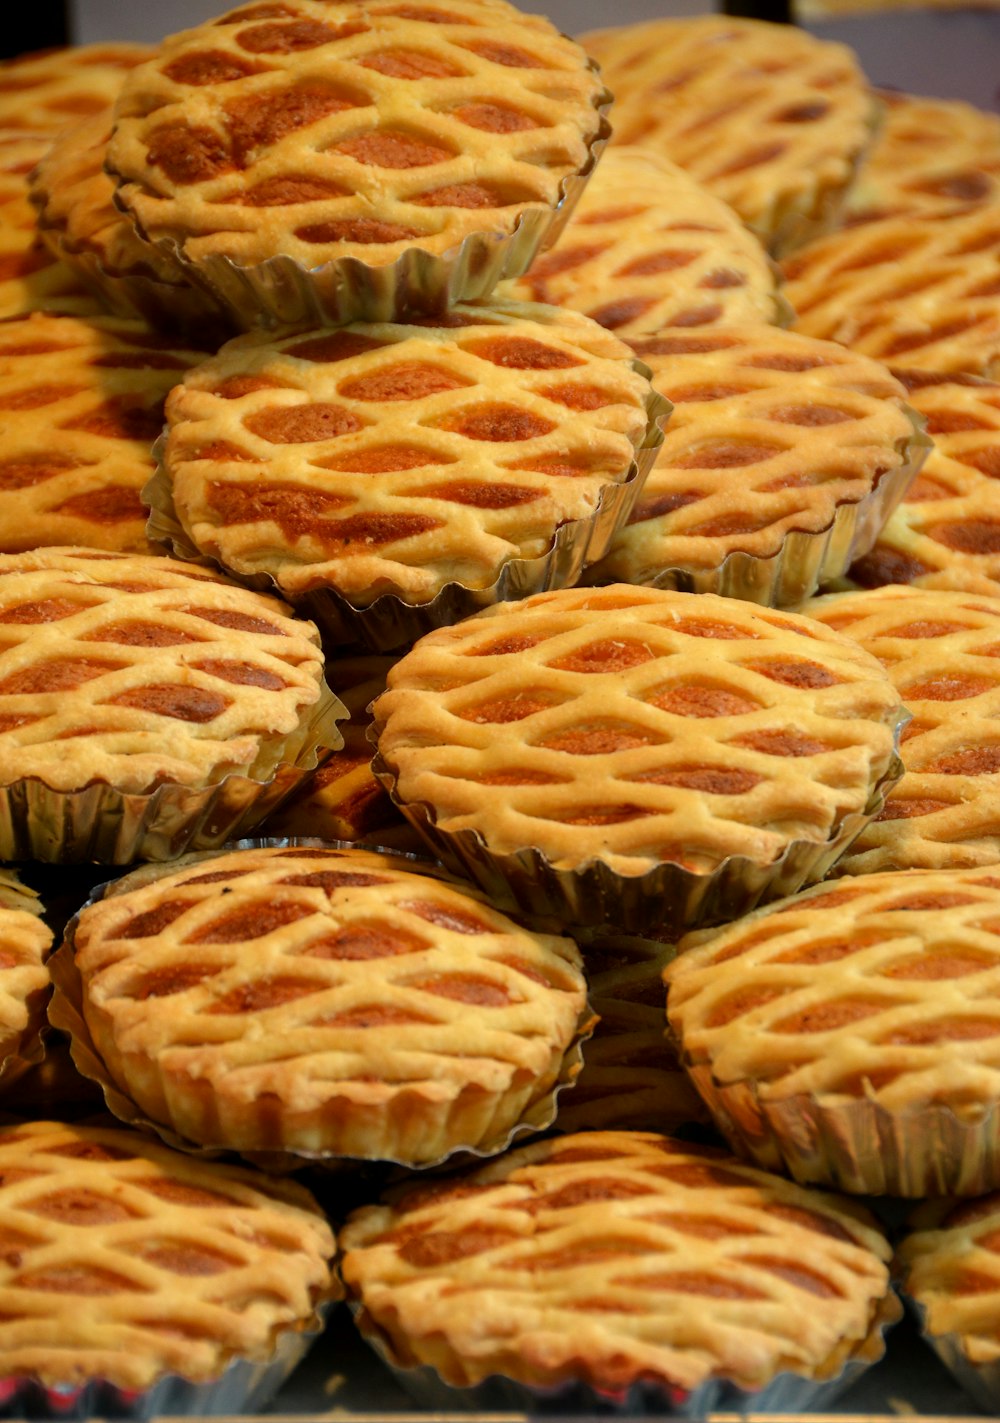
x=786 y=1393
x=282 y=292
x=390 y=622
x=805 y=561
x=858 y=1146
x=981 y=1380
x=245 y=1386
x=100 y=822
x=665 y=900
x=66 y=1013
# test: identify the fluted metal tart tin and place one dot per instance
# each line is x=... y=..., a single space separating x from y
x=244 y=1386
x=805 y=561
x=786 y=1393
x=66 y=1013
x=390 y=622
x=857 y=1146
x=980 y=1381
x=666 y=899
x=114 y=827
x=282 y=292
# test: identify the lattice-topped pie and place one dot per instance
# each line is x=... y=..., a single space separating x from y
x=782 y=458
x=127 y=1262
x=867 y=1011
x=25 y=941
x=633 y=752
x=919 y=288
x=410 y=461
x=342 y=799
x=929 y=153
x=940 y=649
x=947 y=1265
x=768 y=118
x=631 y=1077
x=133 y=676
x=82 y=226
x=647 y=247
x=614 y=1258
x=946 y=532
x=325 y=1001
x=81 y=402
x=288 y=140
x=46 y=91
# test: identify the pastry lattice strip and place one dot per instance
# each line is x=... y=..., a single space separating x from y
x=44 y=92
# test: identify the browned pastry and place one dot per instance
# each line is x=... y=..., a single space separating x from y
x=45 y=91
x=614 y=1257
x=325 y=1001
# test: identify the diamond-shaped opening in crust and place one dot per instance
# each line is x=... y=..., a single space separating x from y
x=394 y=148
x=600 y=738
x=303 y=424
x=516 y=706
x=191 y=704
x=404 y=380
x=495 y=423
x=363 y=940
x=520 y=353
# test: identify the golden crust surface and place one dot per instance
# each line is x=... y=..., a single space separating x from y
x=771 y=431
x=614 y=1256
x=947 y=1264
x=137 y=670
x=921 y=289
x=32 y=279
x=44 y=92
x=183 y=1266
x=81 y=402
x=940 y=648
x=25 y=941
x=647 y=247
x=363 y=132
x=387 y=458
x=768 y=118
x=946 y=531
x=637 y=726
x=373 y=1010
x=881 y=987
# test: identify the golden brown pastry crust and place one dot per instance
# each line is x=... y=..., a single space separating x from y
x=136 y=671
x=185 y=1265
x=612 y=1257
x=768 y=118
x=43 y=92
x=327 y=1001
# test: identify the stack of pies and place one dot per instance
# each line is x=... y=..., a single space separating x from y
x=344 y=357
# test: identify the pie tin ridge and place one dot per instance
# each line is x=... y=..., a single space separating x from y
x=280 y=291
x=65 y=1013
x=100 y=822
x=858 y=1147
x=787 y=1392
x=390 y=622
x=980 y=1381
x=804 y=560
x=592 y=894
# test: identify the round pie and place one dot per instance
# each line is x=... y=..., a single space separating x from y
x=359 y=162
x=647 y=248
x=770 y=119
x=940 y=648
x=946 y=531
x=637 y=757
x=918 y=288
x=614 y=1259
x=128 y=1266
x=463 y=459
x=326 y=1001
x=145 y=703
x=81 y=402
x=46 y=91
x=851 y=1035
x=947 y=1265
x=929 y=153
x=25 y=941
x=83 y=228
x=781 y=459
